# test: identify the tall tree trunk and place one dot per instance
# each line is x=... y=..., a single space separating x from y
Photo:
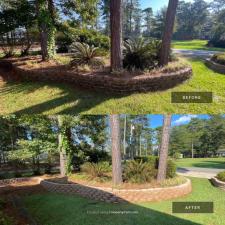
x=164 y=148
x=116 y=154
x=46 y=9
x=116 y=34
x=61 y=149
x=68 y=136
x=124 y=136
x=168 y=32
x=42 y=29
x=52 y=30
x=131 y=12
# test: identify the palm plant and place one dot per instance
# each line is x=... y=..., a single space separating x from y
x=141 y=54
x=139 y=171
x=85 y=54
x=96 y=169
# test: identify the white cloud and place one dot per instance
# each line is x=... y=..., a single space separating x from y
x=184 y=119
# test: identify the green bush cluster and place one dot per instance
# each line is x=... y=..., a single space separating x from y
x=144 y=169
x=96 y=170
x=141 y=53
x=217 y=39
x=92 y=156
x=137 y=171
x=84 y=54
x=68 y=35
x=171 y=169
x=221 y=176
x=4 y=220
x=219 y=58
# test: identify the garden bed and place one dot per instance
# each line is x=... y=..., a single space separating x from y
x=216 y=67
x=218 y=183
x=30 y=69
x=105 y=194
x=109 y=194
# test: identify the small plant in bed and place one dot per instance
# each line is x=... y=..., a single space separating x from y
x=139 y=172
x=97 y=171
x=141 y=54
x=219 y=58
x=221 y=176
x=85 y=54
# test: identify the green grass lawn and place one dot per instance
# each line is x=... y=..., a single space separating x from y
x=57 y=209
x=51 y=99
x=216 y=163
x=194 y=45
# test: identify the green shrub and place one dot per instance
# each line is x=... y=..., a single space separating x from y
x=217 y=39
x=171 y=169
x=85 y=54
x=89 y=155
x=96 y=169
x=48 y=169
x=6 y=175
x=153 y=161
x=5 y=220
x=18 y=174
x=68 y=34
x=221 y=176
x=138 y=172
x=36 y=172
x=150 y=159
x=141 y=54
x=219 y=58
x=2 y=203
x=96 y=156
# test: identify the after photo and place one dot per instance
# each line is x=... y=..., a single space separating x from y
x=112 y=169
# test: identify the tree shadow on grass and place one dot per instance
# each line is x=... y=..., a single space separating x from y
x=211 y=164
x=60 y=209
x=76 y=99
x=73 y=100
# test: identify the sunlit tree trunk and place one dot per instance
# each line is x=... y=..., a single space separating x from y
x=116 y=154
x=163 y=155
x=61 y=149
x=192 y=149
x=116 y=34
x=46 y=23
x=168 y=32
x=52 y=30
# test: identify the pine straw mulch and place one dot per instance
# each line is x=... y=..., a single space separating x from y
x=107 y=183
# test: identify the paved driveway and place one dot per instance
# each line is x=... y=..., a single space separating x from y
x=198 y=172
x=195 y=53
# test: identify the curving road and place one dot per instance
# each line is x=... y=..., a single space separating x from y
x=198 y=172
x=203 y=54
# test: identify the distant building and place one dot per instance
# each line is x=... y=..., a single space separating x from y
x=221 y=152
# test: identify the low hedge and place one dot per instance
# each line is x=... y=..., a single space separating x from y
x=154 y=160
x=219 y=58
x=221 y=176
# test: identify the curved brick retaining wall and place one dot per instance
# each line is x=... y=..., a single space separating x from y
x=107 y=194
x=97 y=81
x=215 y=66
x=218 y=183
x=117 y=195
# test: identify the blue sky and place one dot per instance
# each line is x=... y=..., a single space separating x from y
x=157 y=120
x=157 y=4
x=154 y=4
